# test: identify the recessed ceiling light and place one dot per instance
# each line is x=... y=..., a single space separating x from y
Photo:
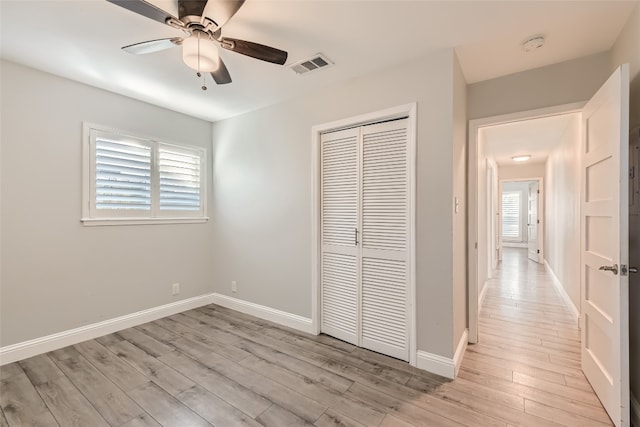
x=522 y=158
x=533 y=43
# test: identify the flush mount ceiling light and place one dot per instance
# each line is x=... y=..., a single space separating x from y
x=521 y=158
x=533 y=43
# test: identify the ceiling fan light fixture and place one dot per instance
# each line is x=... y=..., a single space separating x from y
x=200 y=52
x=521 y=158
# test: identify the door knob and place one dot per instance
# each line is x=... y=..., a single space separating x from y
x=612 y=268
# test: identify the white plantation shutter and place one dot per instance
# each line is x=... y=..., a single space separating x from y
x=511 y=215
x=385 y=236
x=122 y=174
x=180 y=179
x=339 y=223
x=133 y=179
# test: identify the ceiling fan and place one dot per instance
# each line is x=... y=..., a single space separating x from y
x=202 y=22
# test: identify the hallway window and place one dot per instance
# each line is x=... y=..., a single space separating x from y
x=511 y=215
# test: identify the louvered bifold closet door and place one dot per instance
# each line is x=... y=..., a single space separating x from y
x=385 y=238
x=339 y=269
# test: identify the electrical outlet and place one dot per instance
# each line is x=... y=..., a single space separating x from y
x=175 y=289
x=234 y=286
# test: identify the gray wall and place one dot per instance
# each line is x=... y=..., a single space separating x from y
x=262 y=202
x=557 y=84
x=460 y=292
x=57 y=274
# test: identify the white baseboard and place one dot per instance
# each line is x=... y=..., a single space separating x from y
x=483 y=293
x=635 y=411
x=447 y=367
x=23 y=350
x=294 y=321
x=459 y=354
x=558 y=284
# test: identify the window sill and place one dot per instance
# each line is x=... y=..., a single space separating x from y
x=96 y=222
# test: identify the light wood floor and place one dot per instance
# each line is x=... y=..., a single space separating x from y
x=214 y=366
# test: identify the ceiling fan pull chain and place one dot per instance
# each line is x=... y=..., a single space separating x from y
x=204 y=78
x=198 y=53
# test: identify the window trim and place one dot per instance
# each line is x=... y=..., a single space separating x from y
x=131 y=217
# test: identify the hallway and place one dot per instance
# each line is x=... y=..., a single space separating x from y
x=528 y=355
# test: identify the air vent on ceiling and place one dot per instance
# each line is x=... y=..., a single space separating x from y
x=316 y=62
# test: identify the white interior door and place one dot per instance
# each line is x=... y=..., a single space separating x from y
x=340 y=259
x=605 y=245
x=533 y=221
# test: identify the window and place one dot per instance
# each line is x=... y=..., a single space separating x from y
x=131 y=180
x=511 y=215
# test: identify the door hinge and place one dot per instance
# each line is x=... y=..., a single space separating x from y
x=538 y=221
x=538 y=251
x=632 y=172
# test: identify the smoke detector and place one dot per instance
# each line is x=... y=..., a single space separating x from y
x=316 y=62
x=533 y=43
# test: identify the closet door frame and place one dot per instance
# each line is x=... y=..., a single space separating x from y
x=406 y=110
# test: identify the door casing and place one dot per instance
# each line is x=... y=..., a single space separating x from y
x=473 y=239
x=406 y=110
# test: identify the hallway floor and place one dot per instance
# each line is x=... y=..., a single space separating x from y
x=528 y=355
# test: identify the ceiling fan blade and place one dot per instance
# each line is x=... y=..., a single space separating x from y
x=146 y=9
x=220 y=11
x=191 y=7
x=152 y=46
x=221 y=75
x=255 y=50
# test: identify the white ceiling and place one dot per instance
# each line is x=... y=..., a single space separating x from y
x=81 y=40
x=535 y=137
